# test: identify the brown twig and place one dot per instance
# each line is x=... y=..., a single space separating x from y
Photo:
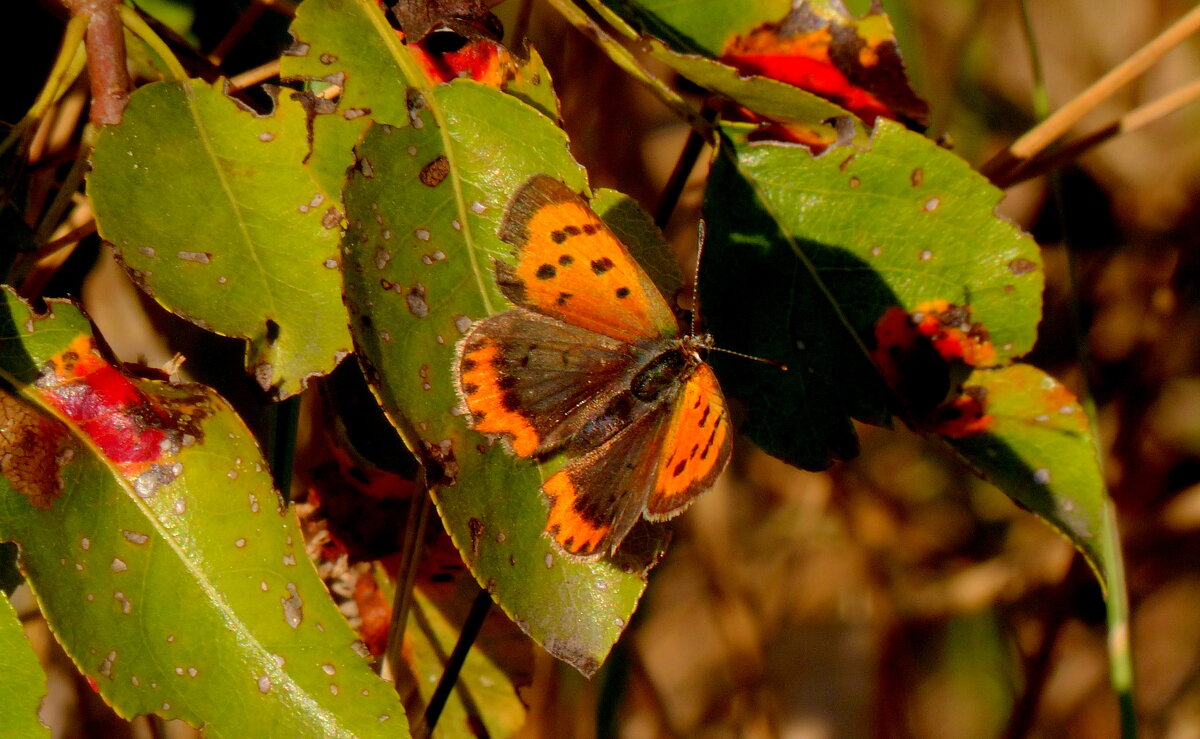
x=105 y=41
x=1048 y=131
x=1127 y=123
x=261 y=73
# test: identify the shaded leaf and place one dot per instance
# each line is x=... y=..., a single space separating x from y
x=214 y=214
x=807 y=254
x=424 y=205
x=168 y=567
x=22 y=681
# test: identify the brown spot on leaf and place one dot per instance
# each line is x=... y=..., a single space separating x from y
x=433 y=173
x=1021 y=266
x=33 y=449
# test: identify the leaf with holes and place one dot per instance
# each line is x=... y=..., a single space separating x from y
x=424 y=204
x=168 y=567
x=22 y=681
x=213 y=213
x=364 y=72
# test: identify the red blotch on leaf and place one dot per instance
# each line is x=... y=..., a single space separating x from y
x=920 y=353
x=104 y=404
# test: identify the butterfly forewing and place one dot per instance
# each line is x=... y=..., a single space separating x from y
x=572 y=267
x=591 y=363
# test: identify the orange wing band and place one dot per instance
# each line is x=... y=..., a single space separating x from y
x=480 y=385
x=573 y=533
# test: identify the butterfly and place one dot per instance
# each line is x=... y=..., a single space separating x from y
x=591 y=362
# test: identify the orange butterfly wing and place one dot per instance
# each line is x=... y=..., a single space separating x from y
x=571 y=266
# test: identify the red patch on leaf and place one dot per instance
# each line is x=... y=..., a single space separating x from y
x=455 y=39
x=106 y=406
x=919 y=353
x=819 y=47
x=138 y=433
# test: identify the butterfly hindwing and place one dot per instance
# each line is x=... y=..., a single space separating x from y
x=695 y=447
x=595 y=499
x=572 y=267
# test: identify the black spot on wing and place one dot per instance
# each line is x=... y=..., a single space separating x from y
x=602 y=265
x=566 y=260
x=546 y=272
x=622 y=292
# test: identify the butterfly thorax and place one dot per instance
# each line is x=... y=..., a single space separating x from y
x=669 y=368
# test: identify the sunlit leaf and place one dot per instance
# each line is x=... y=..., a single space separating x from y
x=424 y=205
x=1038 y=449
x=214 y=214
x=22 y=681
x=167 y=565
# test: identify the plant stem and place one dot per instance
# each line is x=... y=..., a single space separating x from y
x=466 y=637
x=138 y=26
x=624 y=59
x=402 y=596
x=1131 y=121
x=67 y=66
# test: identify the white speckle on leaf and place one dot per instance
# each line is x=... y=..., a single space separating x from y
x=293 y=607
x=1041 y=476
x=264 y=685
x=85 y=543
x=478 y=208
x=118 y=565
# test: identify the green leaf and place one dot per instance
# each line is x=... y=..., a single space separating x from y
x=1040 y=452
x=805 y=255
x=168 y=567
x=351 y=44
x=214 y=214
x=424 y=205
x=22 y=681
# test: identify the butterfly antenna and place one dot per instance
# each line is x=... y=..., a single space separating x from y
x=701 y=233
x=773 y=362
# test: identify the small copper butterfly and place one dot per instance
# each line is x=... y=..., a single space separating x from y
x=591 y=362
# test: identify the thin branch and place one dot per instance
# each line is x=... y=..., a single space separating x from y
x=1051 y=129
x=250 y=77
x=1131 y=121
x=466 y=638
